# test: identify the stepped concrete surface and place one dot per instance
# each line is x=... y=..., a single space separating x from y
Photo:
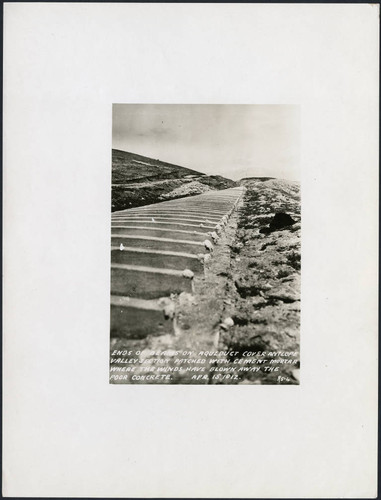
x=175 y=218
x=169 y=215
x=155 y=249
x=159 y=232
x=172 y=211
x=147 y=282
x=146 y=316
x=157 y=259
x=169 y=225
x=156 y=243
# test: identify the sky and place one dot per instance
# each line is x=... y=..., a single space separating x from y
x=234 y=141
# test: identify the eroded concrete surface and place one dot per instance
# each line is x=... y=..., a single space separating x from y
x=253 y=279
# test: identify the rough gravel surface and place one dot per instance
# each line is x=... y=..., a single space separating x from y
x=265 y=273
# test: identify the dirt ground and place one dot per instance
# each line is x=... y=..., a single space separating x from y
x=265 y=270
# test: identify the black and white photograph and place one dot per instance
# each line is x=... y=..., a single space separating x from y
x=205 y=244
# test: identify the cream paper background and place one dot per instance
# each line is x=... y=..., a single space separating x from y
x=67 y=432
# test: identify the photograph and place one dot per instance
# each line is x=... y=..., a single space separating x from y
x=205 y=244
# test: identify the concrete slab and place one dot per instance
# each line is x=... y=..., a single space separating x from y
x=159 y=232
x=169 y=218
x=167 y=215
x=173 y=245
x=136 y=318
x=147 y=282
x=169 y=210
x=169 y=225
x=157 y=259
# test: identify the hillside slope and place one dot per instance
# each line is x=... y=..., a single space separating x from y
x=138 y=180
